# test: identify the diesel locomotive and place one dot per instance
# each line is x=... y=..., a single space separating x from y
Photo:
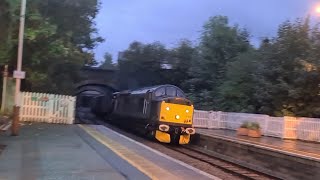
x=162 y=112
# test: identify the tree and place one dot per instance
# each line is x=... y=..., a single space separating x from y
x=289 y=83
x=8 y=18
x=141 y=65
x=220 y=43
x=240 y=83
x=107 y=64
x=58 y=34
x=181 y=60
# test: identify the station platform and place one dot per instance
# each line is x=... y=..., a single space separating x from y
x=292 y=147
x=88 y=152
x=286 y=159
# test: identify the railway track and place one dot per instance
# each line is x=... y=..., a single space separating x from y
x=190 y=155
x=226 y=166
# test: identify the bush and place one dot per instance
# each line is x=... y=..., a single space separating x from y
x=245 y=124
x=254 y=126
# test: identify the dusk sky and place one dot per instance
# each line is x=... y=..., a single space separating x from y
x=168 y=21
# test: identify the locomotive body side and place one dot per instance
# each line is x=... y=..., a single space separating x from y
x=161 y=112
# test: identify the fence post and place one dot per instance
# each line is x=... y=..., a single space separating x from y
x=219 y=120
x=71 y=110
x=290 y=127
x=209 y=122
x=266 y=123
x=50 y=108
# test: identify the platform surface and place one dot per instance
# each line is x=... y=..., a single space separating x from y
x=151 y=162
x=85 y=152
x=58 y=152
x=296 y=147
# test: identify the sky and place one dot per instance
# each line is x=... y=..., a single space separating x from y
x=121 y=22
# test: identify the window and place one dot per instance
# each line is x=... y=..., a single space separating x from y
x=180 y=93
x=171 y=91
x=160 y=92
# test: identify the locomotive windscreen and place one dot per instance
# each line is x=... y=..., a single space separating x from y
x=178 y=101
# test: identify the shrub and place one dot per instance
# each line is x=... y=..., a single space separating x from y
x=245 y=124
x=254 y=126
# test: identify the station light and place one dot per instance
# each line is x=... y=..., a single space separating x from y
x=318 y=9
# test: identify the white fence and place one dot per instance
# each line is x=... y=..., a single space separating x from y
x=283 y=127
x=49 y=108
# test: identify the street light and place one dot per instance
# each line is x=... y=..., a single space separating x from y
x=18 y=74
x=317 y=9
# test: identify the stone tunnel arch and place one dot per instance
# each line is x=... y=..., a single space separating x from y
x=88 y=89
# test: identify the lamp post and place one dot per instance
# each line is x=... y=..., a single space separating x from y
x=18 y=74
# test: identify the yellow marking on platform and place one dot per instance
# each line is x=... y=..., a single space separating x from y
x=142 y=164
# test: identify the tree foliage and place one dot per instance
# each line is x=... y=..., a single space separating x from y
x=142 y=65
x=59 y=39
x=107 y=63
x=288 y=76
x=220 y=44
x=225 y=72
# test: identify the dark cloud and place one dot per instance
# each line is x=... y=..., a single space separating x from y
x=122 y=22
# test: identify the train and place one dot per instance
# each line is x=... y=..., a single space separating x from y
x=161 y=112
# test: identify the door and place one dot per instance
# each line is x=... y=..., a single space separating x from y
x=146 y=104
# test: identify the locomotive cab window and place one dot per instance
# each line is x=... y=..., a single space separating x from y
x=180 y=93
x=160 y=92
x=171 y=92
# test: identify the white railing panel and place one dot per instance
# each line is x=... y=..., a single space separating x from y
x=274 y=127
x=214 y=120
x=308 y=129
x=49 y=108
x=281 y=127
x=200 y=119
x=290 y=127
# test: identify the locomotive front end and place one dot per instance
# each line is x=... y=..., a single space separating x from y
x=175 y=121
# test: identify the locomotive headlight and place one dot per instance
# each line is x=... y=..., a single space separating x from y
x=164 y=128
x=177 y=117
x=187 y=111
x=167 y=108
x=190 y=131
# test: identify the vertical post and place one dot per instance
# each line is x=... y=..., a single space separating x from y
x=4 y=89
x=15 y=123
x=266 y=124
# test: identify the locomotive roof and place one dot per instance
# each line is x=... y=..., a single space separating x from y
x=151 y=89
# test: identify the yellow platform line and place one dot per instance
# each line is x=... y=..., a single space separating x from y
x=142 y=164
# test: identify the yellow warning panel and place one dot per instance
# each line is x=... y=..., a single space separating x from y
x=176 y=113
x=184 y=139
x=162 y=136
x=147 y=167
